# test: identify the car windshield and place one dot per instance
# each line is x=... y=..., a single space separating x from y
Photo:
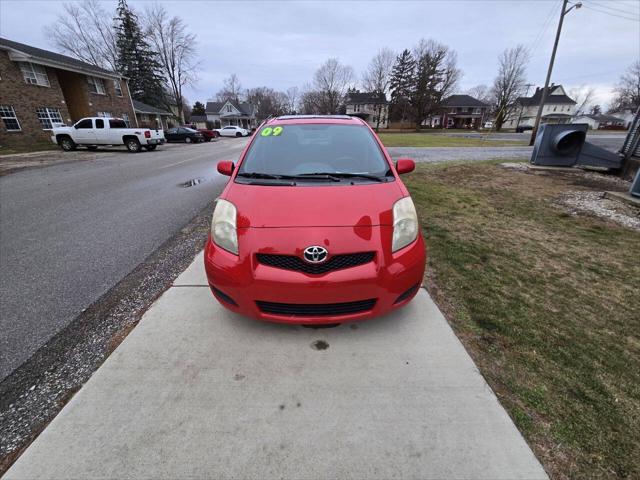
x=189 y=130
x=307 y=149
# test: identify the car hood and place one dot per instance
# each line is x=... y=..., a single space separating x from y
x=314 y=206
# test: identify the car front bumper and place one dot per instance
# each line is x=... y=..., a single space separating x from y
x=246 y=286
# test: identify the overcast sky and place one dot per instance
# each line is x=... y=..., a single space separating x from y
x=280 y=43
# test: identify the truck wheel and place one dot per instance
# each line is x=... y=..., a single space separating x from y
x=151 y=148
x=92 y=147
x=67 y=144
x=133 y=145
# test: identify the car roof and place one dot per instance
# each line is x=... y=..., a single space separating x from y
x=302 y=119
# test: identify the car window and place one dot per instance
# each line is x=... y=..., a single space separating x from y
x=99 y=123
x=228 y=128
x=117 y=123
x=86 y=123
x=312 y=148
x=172 y=130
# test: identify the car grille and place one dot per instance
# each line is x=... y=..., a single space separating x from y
x=316 y=309
x=336 y=262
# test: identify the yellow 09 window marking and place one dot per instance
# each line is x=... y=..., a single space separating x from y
x=271 y=132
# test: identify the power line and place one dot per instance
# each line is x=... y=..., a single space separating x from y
x=611 y=14
x=538 y=39
x=620 y=10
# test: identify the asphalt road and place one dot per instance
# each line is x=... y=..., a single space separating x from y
x=70 y=232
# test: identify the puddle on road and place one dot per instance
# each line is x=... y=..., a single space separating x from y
x=319 y=345
x=193 y=182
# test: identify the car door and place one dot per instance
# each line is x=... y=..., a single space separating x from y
x=171 y=134
x=183 y=133
x=102 y=132
x=84 y=133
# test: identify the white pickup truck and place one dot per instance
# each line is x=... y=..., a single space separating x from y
x=93 y=132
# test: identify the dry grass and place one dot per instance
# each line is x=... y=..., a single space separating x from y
x=439 y=140
x=547 y=304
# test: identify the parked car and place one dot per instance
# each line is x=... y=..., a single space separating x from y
x=183 y=134
x=488 y=124
x=523 y=128
x=92 y=132
x=208 y=134
x=315 y=226
x=232 y=131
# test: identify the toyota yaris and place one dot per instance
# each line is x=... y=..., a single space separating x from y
x=315 y=225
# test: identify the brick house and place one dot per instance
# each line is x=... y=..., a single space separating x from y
x=39 y=88
x=459 y=111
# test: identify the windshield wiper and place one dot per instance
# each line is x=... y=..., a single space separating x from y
x=263 y=175
x=338 y=175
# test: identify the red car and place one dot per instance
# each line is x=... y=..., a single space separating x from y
x=208 y=134
x=315 y=225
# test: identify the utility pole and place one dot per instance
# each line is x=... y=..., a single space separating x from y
x=545 y=90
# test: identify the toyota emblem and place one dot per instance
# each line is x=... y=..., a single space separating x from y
x=315 y=254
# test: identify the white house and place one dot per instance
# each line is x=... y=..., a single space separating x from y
x=601 y=121
x=558 y=108
x=371 y=107
x=627 y=114
x=222 y=114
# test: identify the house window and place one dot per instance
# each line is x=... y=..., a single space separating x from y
x=34 y=74
x=117 y=87
x=103 y=114
x=8 y=115
x=228 y=108
x=49 y=117
x=125 y=117
x=96 y=85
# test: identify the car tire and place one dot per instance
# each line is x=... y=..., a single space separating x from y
x=238 y=135
x=187 y=140
x=151 y=148
x=93 y=148
x=133 y=145
x=67 y=144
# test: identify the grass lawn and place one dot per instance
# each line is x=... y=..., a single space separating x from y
x=34 y=147
x=431 y=140
x=547 y=304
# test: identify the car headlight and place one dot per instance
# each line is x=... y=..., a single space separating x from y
x=405 y=223
x=223 y=226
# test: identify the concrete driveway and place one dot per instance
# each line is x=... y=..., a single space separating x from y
x=197 y=392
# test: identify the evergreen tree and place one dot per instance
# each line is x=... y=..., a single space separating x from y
x=401 y=85
x=136 y=60
x=198 y=109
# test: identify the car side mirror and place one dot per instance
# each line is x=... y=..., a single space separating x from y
x=405 y=165
x=226 y=167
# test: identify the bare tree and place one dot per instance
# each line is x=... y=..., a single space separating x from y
x=480 y=92
x=377 y=77
x=436 y=77
x=331 y=81
x=583 y=96
x=267 y=101
x=310 y=101
x=231 y=89
x=510 y=82
x=176 y=51
x=292 y=98
x=627 y=92
x=85 y=31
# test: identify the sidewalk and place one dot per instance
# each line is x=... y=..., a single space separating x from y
x=197 y=392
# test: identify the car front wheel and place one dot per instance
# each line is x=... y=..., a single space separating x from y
x=187 y=140
x=238 y=134
x=67 y=144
